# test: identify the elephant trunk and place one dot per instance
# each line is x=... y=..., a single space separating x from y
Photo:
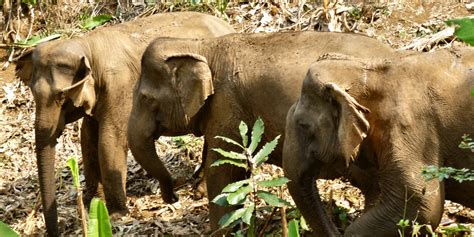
x=141 y=140
x=305 y=193
x=48 y=126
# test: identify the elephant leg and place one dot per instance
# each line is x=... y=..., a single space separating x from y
x=404 y=194
x=367 y=181
x=455 y=192
x=199 y=185
x=89 y=142
x=216 y=179
x=113 y=166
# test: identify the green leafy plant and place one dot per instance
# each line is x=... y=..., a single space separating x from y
x=7 y=231
x=72 y=164
x=460 y=175
x=464 y=30
x=35 y=40
x=431 y=172
x=467 y=143
x=404 y=223
x=99 y=223
x=92 y=22
x=454 y=230
x=186 y=142
x=342 y=216
x=248 y=192
x=293 y=228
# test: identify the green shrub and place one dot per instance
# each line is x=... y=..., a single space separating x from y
x=248 y=192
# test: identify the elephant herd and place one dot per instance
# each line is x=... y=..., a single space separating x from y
x=348 y=106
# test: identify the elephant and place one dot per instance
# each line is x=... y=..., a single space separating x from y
x=207 y=86
x=378 y=123
x=92 y=77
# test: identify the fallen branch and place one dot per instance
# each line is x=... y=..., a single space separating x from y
x=422 y=43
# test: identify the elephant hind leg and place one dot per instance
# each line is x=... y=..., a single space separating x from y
x=89 y=142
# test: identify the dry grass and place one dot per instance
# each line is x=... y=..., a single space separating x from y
x=413 y=26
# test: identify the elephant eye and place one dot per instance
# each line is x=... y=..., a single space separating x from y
x=65 y=68
x=303 y=125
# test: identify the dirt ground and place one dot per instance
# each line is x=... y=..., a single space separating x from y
x=410 y=26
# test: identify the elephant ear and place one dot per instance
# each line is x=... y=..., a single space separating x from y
x=192 y=78
x=82 y=93
x=353 y=126
x=24 y=67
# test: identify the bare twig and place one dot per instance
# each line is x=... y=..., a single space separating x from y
x=262 y=231
x=30 y=219
x=82 y=211
x=284 y=223
x=10 y=59
x=31 y=21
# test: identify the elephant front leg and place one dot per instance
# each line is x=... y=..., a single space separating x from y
x=404 y=195
x=199 y=185
x=113 y=167
x=90 y=155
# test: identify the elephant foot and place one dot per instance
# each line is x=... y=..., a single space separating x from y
x=170 y=198
x=199 y=188
x=167 y=191
x=117 y=214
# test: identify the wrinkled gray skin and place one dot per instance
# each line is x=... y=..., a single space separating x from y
x=206 y=87
x=419 y=105
x=93 y=77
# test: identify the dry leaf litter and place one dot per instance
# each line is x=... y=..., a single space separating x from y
x=411 y=25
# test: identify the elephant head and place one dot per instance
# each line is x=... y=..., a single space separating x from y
x=60 y=77
x=324 y=130
x=173 y=87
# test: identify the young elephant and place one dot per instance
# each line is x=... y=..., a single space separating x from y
x=207 y=86
x=93 y=77
x=379 y=124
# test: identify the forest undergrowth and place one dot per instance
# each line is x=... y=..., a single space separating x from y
x=414 y=25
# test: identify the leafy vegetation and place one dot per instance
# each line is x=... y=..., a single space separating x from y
x=464 y=30
x=441 y=173
x=467 y=143
x=99 y=223
x=72 y=164
x=246 y=193
x=6 y=231
x=35 y=40
x=455 y=230
x=92 y=22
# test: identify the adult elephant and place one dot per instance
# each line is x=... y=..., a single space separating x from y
x=93 y=77
x=207 y=86
x=379 y=124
